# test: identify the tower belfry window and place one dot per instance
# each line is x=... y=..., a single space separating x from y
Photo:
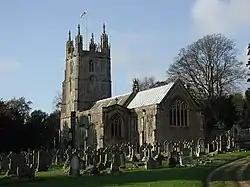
x=71 y=67
x=91 y=66
x=70 y=85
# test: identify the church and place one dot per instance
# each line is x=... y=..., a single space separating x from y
x=90 y=116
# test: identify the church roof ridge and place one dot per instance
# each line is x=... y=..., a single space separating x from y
x=157 y=87
x=150 y=96
x=111 y=101
x=113 y=97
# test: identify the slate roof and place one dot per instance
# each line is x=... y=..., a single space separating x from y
x=121 y=99
x=150 y=97
x=142 y=98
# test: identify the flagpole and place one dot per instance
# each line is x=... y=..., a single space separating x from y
x=85 y=33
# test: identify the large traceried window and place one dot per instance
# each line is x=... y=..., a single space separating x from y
x=179 y=113
x=116 y=126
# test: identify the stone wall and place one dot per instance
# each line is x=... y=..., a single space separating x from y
x=108 y=113
x=165 y=131
x=146 y=124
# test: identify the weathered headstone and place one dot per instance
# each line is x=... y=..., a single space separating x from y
x=42 y=161
x=187 y=156
x=202 y=146
x=151 y=163
x=74 y=165
x=116 y=162
x=5 y=163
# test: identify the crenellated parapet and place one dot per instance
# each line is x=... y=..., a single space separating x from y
x=75 y=48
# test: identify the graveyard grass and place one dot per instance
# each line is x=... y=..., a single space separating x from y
x=171 y=177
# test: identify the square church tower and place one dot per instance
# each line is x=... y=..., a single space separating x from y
x=87 y=75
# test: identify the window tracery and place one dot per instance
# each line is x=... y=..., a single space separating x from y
x=116 y=125
x=179 y=113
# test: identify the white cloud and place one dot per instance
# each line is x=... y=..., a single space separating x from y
x=224 y=16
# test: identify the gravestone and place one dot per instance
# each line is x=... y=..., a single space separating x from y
x=115 y=162
x=159 y=157
x=180 y=159
x=198 y=150
x=34 y=158
x=133 y=157
x=144 y=154
x=26 y=171
x=29 y=157
x=220 y=144
x=187 y=158
x=224 y=143
x=107 y=163
x=42 y=161
x=48 y=157
x=74 y=165
x=122 y=159
x=232 y=142
x=67 y=159
x=202 y=146
x=5 y=163
x=170 y=147
x=125 y=149
x=151 y=163
x=57 y=157
x=101 y=155
x=11 y=165
x=173 y=159
x=207 y=149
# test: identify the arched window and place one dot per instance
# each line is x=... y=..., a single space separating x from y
x=116 y=125
x=179 y=113
x=70 y=85
x=91 y=66
x=71 y=67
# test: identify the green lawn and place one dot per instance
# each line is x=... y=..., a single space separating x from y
x=170 y=177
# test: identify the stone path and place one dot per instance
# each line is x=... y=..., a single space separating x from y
x=234 y=174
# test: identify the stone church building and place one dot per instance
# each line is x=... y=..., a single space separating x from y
x=91 y=116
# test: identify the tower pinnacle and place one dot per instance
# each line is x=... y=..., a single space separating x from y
x=104 y=29
x=104 y=40
x=78 y=29
x=69 y=35
x=92 y=45
x=78 y=41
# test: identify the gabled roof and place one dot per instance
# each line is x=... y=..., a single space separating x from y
x=150 y=96
x=132 y=100
x=120 y=100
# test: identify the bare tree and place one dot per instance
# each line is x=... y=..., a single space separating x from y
x=146 y=83
x=57 y=102
x=209 y=66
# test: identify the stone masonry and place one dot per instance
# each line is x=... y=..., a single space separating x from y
x=166 y=112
